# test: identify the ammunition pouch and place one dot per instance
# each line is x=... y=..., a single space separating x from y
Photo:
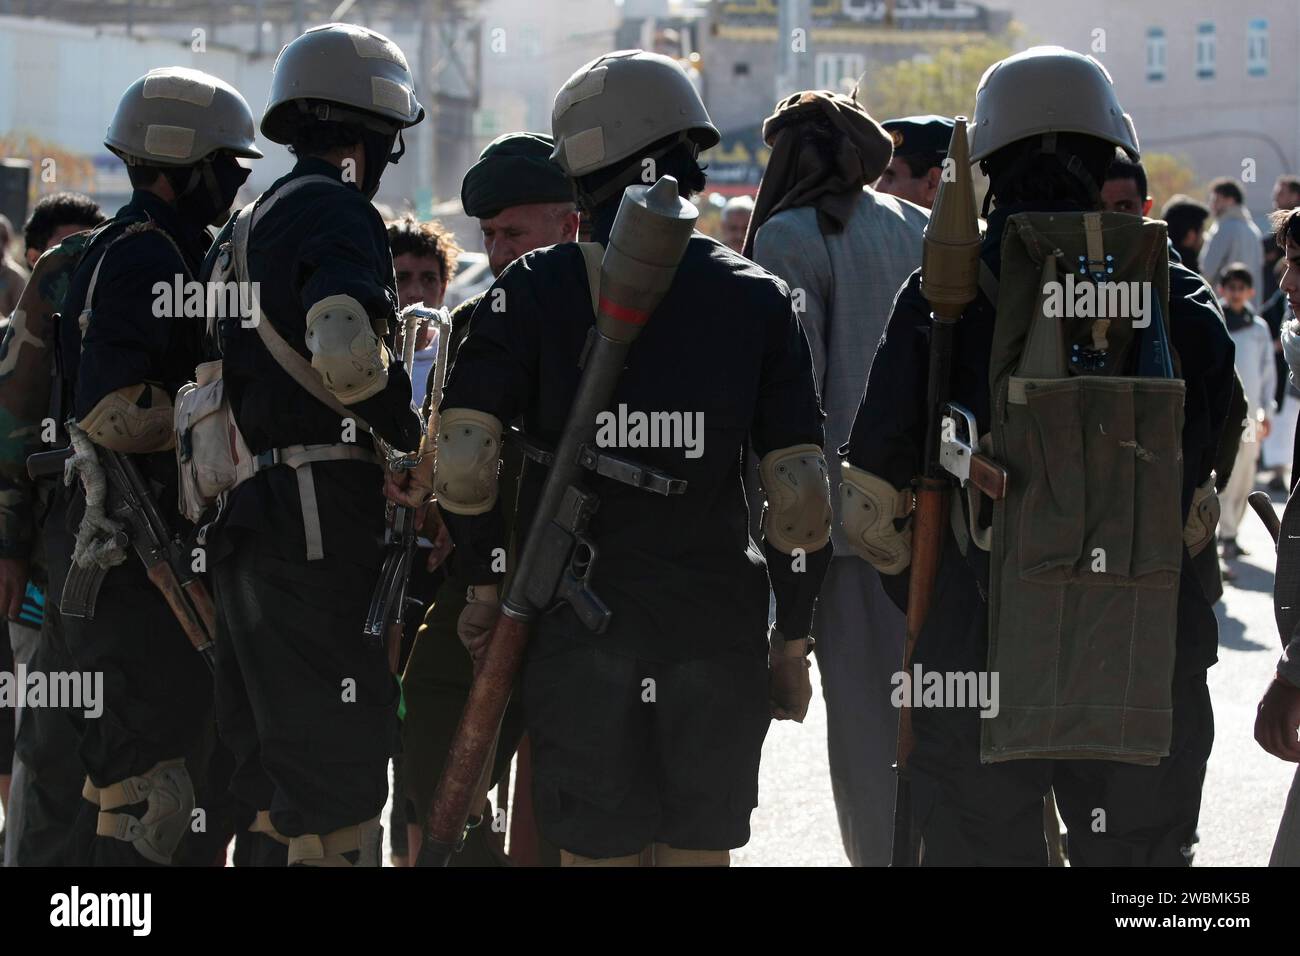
x=315 y=849
x=345 y=350
x=469 y=452
x=1202 y=519
x=1088 y=546
x=798 y=498
x=869 y=509
x=119 y=422
x=170 y=795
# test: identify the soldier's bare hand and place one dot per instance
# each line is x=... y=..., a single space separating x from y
x=789 y=687
x=474 y=626
x=430 y=524
x=1278 y=720
x=13 y=585
x=400 y=489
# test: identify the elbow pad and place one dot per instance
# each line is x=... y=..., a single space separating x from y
x=345 y=350
x=1203 y=518
x=467 y=459
x=120 y=423
x=870 y=506
x=798 y=498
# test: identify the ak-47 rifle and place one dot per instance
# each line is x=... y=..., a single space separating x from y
x=130 y=508
x=384 y=620
x=646 y=244
x=949 y=282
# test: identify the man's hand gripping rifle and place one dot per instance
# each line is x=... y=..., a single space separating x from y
x=384 y=620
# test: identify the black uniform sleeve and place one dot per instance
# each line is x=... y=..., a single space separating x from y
x=888 y=436
x=789 y=413
x=495 y=372
x=346 y=256
x=1206 y=354
x=133 y=335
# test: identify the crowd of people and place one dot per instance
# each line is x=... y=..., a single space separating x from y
x=802 y=336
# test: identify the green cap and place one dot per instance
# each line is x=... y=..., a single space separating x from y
x=515 y=170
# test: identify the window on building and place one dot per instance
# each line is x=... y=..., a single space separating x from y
x=838 y=71
x=1155 y=54
x=1257 y=48
x=1205 y=51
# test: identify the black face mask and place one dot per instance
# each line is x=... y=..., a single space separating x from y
x=204 y=196
x=379 y=153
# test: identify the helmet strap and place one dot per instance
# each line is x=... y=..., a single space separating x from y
x=632 y=175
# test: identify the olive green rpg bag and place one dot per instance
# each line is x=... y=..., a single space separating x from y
x=1087 y=545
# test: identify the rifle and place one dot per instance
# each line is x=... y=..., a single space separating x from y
x=949 y=282
x=132 y=510
x=384 y=620
x=646 y=244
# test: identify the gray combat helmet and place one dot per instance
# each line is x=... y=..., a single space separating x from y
x=1047 y=89
x=622 y=102
x=176 y=116
x=361 y=73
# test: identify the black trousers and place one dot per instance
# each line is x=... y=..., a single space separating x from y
x=1115 y=814
x=48 y=742
x=306 y=707
x=157 y=694
x=629 y=752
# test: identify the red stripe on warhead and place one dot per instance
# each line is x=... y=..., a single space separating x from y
x=622 y=313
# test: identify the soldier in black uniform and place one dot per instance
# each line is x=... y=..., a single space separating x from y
x=646 y=739
x=523 y=201
x=968 y=812
x=121 y=360
x=308 y=708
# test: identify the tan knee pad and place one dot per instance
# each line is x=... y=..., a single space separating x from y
x=168 y=793
x=666 y=855
x=262 y=824
x=632 y=859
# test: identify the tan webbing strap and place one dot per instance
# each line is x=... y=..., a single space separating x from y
x=262 y=824
x=90 y=792
x=130 y=790
x=285 y=355
x=311 y=529
x=83 y=317
x=289 y=359
x=592 y=254
x=315 y=849
x=1092 y=236
x=119 y=826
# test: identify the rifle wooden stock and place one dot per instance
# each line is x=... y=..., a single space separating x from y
x=476 y=737
x=189 y=615
x=949 y=281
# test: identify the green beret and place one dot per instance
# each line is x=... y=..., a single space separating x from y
x=514 y=170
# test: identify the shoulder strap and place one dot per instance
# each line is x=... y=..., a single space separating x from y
x=288 y=358
x=592 y=254
x=147 y=225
